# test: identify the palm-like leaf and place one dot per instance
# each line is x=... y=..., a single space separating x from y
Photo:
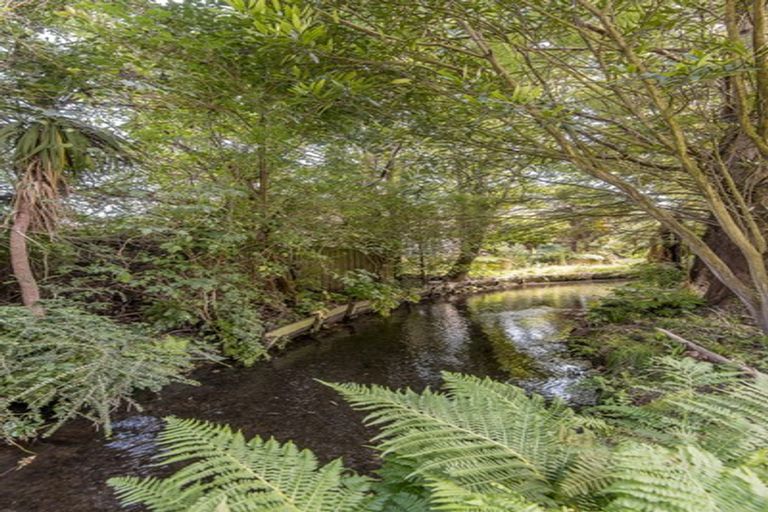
x=246 y=475
x=47 y=153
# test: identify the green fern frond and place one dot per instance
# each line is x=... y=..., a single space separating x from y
x=681 y=374
x=401 y=502
x=246 y=475
x=700 y=406
x=480 y=434
x=485 y=446
x=395 y=492
x=589 y=473
x=449 y=497
x=685 y=479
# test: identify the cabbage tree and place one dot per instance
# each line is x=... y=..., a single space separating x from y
x=46 y=153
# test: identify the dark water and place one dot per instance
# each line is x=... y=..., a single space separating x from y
x=514 y=335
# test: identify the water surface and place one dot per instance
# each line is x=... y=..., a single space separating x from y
x=515 y=335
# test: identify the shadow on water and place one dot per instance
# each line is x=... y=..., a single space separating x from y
x=513 y=335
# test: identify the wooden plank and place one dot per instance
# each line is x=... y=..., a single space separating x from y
x=291 y=330
x=362 y=307
x=336 y=314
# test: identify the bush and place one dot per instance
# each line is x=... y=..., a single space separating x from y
x=660 y=274
x=634 y=302
x=552 y=254
x=73 y=363
x=384 y=297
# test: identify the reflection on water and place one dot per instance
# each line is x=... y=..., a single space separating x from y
x=515 y=335
x=436 y=337
x=135 y=435
x=527 y=330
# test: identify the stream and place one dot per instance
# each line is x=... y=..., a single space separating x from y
x=515 y=335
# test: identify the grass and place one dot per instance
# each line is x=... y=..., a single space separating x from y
x=484 y=268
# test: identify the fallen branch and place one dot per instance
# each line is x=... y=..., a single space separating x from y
x=710 y=356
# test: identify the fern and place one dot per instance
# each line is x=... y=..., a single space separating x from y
x=396 y=491
x=485 y=446
x=480 y=434
x=683 y=480
x=228 y=471
x=449 y=497
x=72 y=363
x=698 y=405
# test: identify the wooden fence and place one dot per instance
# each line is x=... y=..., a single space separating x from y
x=335 y=262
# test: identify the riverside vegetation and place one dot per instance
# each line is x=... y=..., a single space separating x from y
x=181 y=177
x=669 y=434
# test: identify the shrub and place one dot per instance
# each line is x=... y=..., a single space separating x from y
x=384 y=297
x=633 y=302
x=552 y=254
x=73 y=363
x=660 y=274
x=192 y=278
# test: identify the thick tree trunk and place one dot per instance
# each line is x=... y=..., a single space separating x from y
x=666 y=248
x=22 y=270
x=468 y=252
x=743 y=162
x=715 y=292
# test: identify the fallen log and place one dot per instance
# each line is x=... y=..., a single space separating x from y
x=710 y=356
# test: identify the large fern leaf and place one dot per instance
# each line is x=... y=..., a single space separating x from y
x=253 y=475
x=480 y=434
x=686 y=479
x=699 y=405
x=449 y=497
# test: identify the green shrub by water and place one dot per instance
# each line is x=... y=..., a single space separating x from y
x=634 y=302
x=658 y=292
x=384 y=297
x=72 y=363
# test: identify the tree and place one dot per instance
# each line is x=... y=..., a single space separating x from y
x=665 y=107
x=48 y=153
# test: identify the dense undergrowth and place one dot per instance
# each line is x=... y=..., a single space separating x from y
x=76 y=364
x=483 y=445
x=620 y=332
x=669 y=434
x=174 y=171
x=89 y=354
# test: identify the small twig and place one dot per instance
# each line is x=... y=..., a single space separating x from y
x=710 y=356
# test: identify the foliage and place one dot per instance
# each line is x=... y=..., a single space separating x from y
x=245 y=475
x=724 y=333
x=384 y=297
x=660 y=275
x=72 y=363
x=482 y=435
x=482 y=445
x=633 y=302
x=48 y=152
x=192 y=279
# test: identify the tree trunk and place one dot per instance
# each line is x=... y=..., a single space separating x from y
x=22 y=270
x=743 y=162
x=666 y=247
x=468 y=252
x=715 y=292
